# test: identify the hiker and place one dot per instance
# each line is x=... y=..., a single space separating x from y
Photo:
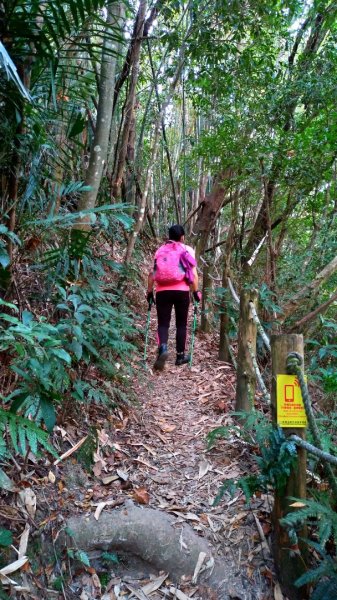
x=174 y=276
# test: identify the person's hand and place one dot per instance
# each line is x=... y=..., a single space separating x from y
x=150 y=298
x=197 y=296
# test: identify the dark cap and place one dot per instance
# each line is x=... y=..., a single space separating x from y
x=176 y=232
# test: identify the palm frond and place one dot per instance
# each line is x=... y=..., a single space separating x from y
x=11 y=72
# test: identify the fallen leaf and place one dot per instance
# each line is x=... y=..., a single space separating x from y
x=154 y=585
x=298 y=505
x=96 y=581
x=99 y=509
x=138 y=593
x=204 y=467
x=28 y=499
x=103 y=438
x=51 y=477
x=97 y=468
x=14 y=566
x=278 y=592
x=201 y=558
x=122 y=475
x=166 y=428
x=109 y=479
x=24 y=541
x=179 y=594
x=5 y=482
x=267 y=573
x=141 y=495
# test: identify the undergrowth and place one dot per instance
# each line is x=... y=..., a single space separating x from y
x=275 y=457
x=72 y=343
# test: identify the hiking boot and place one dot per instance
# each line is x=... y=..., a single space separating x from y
x=161 y=358
x=182 y=359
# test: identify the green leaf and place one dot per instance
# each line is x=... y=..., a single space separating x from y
x=78 y=126
x=4 y=258
x=9 y=305
x=18 y=401
x=48 y=414
x=27 y=317
x=77 y=349
x=83 y=557
x=110 y=557
x=62 y=354
x=6 y=537
x=32 y=439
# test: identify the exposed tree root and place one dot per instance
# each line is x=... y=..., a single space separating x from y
x=155 y=537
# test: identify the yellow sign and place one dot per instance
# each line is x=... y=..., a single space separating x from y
x=290 y=407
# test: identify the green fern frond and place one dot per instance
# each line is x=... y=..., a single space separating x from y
x=325 y=589
x=317 y=513
x=23 y=431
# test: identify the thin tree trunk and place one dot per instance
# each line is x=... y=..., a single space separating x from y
x=314 y=41
x=167 y=151
x=206 y=285
x=224 y=353
x=130 y=160
x=99 y=149
x=310 y=316
x=141 y=214
x=309 y=290
x=129 y=56
x=130 y=102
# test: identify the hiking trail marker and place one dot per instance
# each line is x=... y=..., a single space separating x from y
x=290 y=407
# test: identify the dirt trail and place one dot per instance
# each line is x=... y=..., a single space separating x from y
x=170 y=467
x=156 y=456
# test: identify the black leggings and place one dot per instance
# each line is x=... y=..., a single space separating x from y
x=164 y=302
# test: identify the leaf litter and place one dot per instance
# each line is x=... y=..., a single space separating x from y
x=156 y=454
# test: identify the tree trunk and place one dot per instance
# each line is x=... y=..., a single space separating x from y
x=260 y=227
x=131 y=183
x=99 y=148
x=206 y=285
x=308 y=291
x=157 y=126
x=224 y=353
x=128 y=59
x=167 y=151
x=224 y=320
x=246 y=377
x=300 y=325
x=210 y=210
x=130 y=102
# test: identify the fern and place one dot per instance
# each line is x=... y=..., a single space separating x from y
x=24 y=433
x=320 y=515
x=323 y=576
x=276 y=460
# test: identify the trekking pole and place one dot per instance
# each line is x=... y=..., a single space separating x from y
x=194 y=326
x=147 y=327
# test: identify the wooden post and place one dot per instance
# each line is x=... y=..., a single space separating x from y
x=289 y=563
x=246 y=377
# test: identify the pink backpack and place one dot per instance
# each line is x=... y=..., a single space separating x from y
x=173 y=264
